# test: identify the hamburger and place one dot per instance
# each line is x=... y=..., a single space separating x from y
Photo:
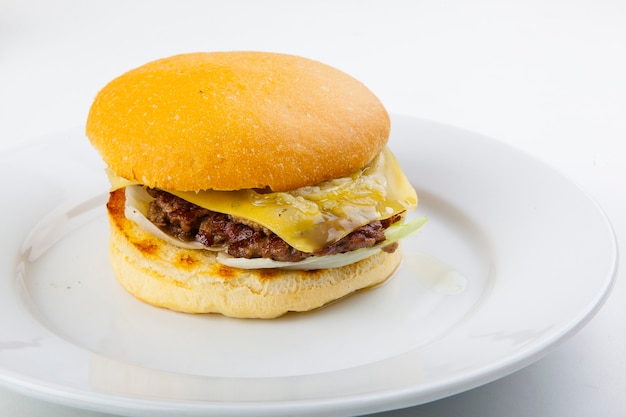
x=249 y=184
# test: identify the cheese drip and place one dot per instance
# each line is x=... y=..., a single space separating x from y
x=312 y=217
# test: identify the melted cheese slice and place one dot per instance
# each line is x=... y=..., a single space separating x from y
x=310 y=218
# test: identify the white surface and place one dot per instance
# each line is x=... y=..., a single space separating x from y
x=466 y=282
x=546 y=77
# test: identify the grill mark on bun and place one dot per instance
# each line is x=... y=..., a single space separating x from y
x=116 y=206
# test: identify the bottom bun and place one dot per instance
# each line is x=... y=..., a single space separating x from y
x=192 y=281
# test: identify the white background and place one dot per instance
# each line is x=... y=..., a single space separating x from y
x=548 y=77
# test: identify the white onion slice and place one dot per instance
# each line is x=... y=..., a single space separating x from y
x=307 y=264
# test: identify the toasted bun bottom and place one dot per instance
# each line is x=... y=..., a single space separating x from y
x=192 y=281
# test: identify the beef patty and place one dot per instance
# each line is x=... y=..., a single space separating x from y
x=245 y=239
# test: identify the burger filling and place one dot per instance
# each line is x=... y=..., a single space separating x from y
x=240 y=238
x=331 y=224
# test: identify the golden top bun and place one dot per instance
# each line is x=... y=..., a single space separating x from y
x=236 y=120
x=192 y=281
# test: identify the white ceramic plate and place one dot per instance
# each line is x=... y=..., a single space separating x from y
x=513 y=260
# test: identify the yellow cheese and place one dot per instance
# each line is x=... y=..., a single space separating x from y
x=312 y=217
